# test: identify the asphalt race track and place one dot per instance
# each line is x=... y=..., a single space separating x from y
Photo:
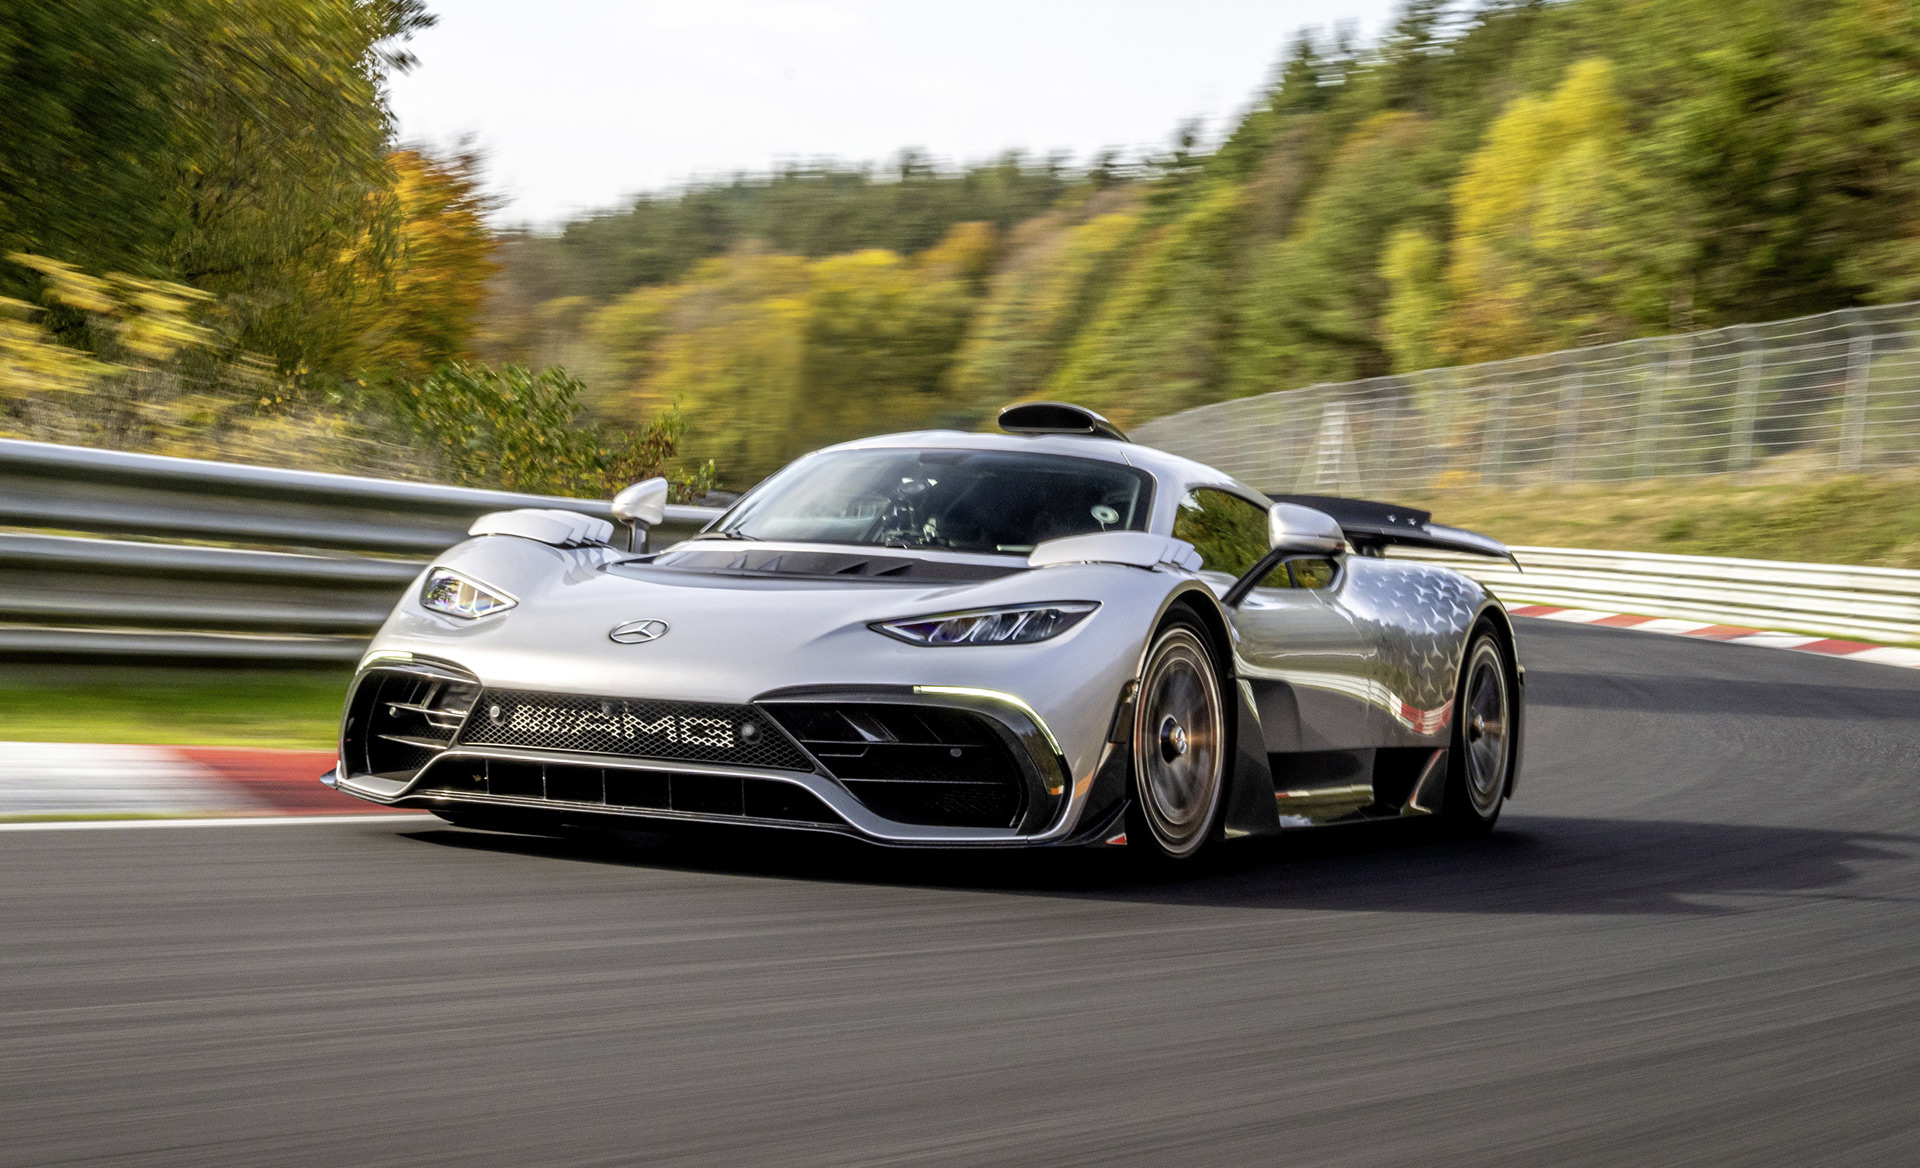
x=1695 y=939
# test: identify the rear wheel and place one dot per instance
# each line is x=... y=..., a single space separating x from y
x=1482 y=755
x=1179 y=746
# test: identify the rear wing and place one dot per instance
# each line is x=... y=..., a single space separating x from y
x=1370 y=527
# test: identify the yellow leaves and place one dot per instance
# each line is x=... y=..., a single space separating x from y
x=1502 y=181
x=770 y=355
x=419 y=290
x=966 y=253
x=1416 y=303
x=1538 y=220
x=146 y=320
x=32 y=362
x=67 y=284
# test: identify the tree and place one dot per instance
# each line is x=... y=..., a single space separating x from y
x=1314 y=302
x=281 y=139
x=85 y=164
x=520 y=431
x=1553 y=232
x=422 y=309
x=1056 y=274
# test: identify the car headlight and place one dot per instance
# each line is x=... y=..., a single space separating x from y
x=449 y=592
x=990 y=626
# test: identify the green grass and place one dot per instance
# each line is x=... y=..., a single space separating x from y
x=171 y=706
x=1845 y=520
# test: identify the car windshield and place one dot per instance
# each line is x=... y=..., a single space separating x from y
x=957 y=500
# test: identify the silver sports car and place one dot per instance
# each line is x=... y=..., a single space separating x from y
x=1041 y=637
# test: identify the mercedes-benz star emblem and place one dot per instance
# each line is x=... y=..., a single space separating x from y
x=638 y=632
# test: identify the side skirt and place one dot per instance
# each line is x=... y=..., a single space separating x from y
x=1322 y=788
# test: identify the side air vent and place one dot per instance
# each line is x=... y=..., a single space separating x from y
x=400 y=718
x=913 y=764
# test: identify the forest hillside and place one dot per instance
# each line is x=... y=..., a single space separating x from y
x=213 y=244
x=1481 y=183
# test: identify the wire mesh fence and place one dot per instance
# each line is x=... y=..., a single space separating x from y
x=1838 y=392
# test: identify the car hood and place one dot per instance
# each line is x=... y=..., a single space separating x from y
x=735 y=634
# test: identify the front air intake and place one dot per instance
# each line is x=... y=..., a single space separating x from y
x=399 y=718
x=916 y=764
x=670 y=731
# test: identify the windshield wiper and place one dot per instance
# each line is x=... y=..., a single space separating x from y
x=728 y=535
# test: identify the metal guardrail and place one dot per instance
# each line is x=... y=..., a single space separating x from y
x=324 y=557
x=257 y=564
x=1835 y=600
x=1835 y=392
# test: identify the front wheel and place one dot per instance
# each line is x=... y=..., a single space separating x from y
x=1179 y=746
x=1482 y=761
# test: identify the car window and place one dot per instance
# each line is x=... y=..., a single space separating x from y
x=960 y=500
x=1312 y=572
x=1229 y=532
x=1275 y=577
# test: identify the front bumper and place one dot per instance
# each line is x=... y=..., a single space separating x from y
x=831 y=794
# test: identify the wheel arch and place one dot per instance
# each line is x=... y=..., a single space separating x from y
x=1250 y=808
x=1494 y=616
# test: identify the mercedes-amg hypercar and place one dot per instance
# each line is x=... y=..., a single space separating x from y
x=1045 y=636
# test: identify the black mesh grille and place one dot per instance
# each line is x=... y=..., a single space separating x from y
x=924 y=765
x=626 y=790
x=678 y=731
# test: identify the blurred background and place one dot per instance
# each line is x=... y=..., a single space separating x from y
x=555 y=252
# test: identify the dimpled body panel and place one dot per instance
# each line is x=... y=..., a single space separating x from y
x=1418 y=616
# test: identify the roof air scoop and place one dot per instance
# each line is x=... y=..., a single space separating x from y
x=1057 y=418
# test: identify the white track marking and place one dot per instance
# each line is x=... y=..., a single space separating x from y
x=230 y=821
x=1667 y=624
x=1774 y=640
x=1895 y=655
x=77 y=778
x=1578 y=616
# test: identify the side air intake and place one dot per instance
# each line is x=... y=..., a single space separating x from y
x=1057 y=418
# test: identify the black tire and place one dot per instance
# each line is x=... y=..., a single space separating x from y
x=1480 y=765
x=1182 y=746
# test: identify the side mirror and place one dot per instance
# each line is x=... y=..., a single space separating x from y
x=641 y=506
x=1293 y=528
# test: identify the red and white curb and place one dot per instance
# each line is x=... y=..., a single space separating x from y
x=77 y=780
x=1732 y=634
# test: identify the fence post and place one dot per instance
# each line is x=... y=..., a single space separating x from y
x=1853 y=410
x=1493 y=438
x=1446 y=391
x=1746 y=401
x=1673 y=395
x=1566 y=443
x=1647 y=426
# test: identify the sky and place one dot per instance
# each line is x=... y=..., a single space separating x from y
x=579 y=104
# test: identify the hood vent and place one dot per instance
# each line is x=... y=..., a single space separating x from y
x=731 y=559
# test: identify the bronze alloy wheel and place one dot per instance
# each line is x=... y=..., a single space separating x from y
x=1484 y=736
x=1179 y=761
